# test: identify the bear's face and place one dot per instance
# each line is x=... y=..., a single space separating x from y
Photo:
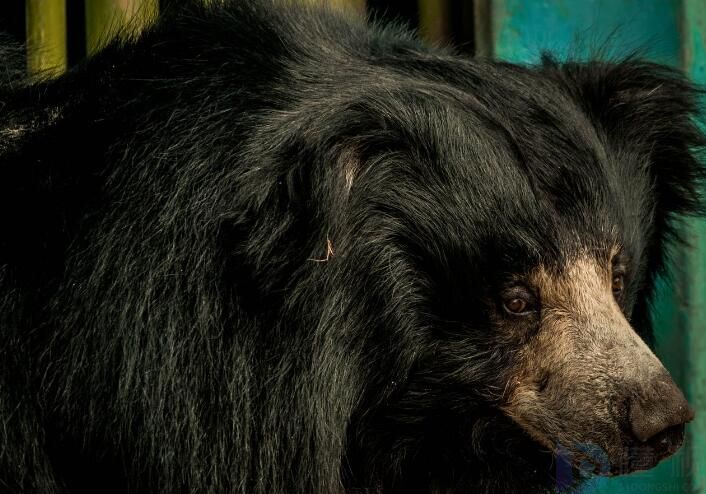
x=583 y=381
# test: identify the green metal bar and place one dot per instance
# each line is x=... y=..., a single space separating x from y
x=108 y=18
x=46 y=37
x=694 y=62
x=482 y=27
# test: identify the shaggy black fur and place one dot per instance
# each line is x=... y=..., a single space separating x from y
x=249 y=251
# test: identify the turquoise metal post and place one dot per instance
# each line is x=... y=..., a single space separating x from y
x=520 y=31
x=694 y=59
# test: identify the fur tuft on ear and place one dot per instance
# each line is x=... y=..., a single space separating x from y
x=651 y=109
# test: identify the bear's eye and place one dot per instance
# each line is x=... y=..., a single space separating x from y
x=516 y=305
x=518 y=301
x=618 y=284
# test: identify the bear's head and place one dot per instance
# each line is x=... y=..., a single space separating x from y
x=498 y=230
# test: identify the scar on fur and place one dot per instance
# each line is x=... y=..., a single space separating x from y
x=655 y=90
x=350 y=174
x=12 y=132
x=329 y=252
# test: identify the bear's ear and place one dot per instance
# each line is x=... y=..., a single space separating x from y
x=645 y=108
x=651 y=111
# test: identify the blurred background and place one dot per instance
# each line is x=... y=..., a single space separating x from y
x=61 y=33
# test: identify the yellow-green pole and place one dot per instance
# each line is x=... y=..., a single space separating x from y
x=106 y=18
x=46 y=37
x=357 y=5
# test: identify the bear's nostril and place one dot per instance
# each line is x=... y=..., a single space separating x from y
x=661 y=414
x=646 y=455
x=668 y=441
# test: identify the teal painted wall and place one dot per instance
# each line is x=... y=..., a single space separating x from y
x=666 y=31
x=523 y=28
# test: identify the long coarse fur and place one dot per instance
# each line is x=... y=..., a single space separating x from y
x=245 y=252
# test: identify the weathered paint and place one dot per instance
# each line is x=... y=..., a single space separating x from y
x=106 y=18
x=694 y=257
x=46 y=37
x=520 y=31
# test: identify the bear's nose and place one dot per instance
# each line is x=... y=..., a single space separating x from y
x=659 y=414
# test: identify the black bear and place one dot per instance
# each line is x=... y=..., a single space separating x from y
x=268 y=248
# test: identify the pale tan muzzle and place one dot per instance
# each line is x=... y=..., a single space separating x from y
x=586 y=377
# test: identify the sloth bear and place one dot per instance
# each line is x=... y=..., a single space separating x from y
x=275 y=249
